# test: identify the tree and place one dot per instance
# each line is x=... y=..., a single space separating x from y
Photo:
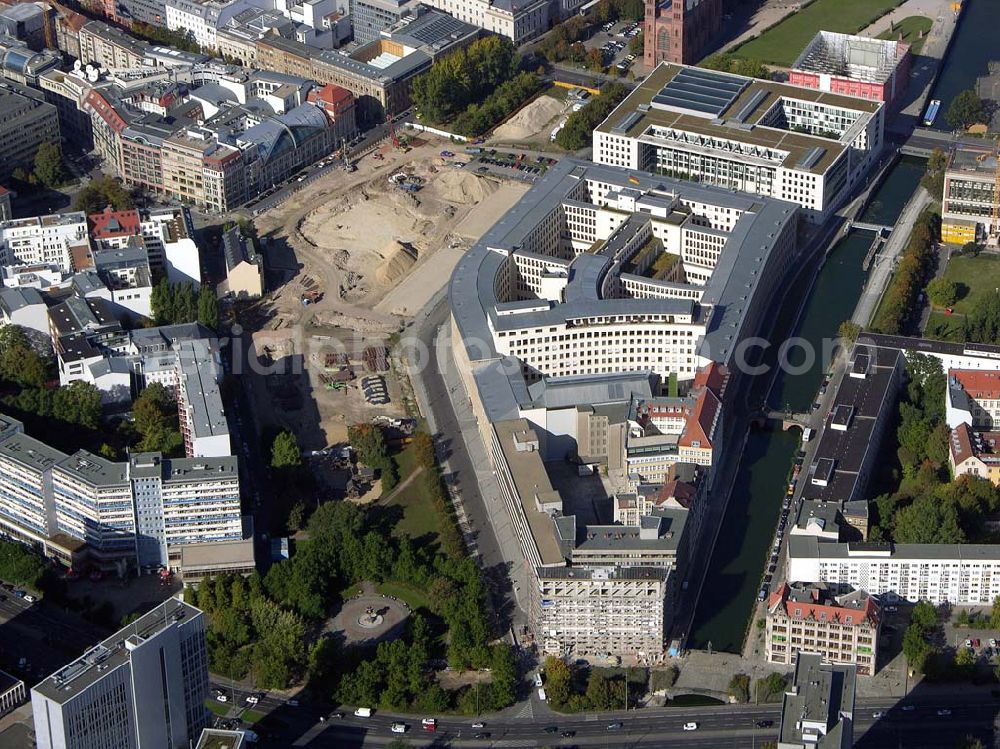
x=208 y=308
x=916 y=648
x=928 y=521
x=101 y=193
x=924 y=615
x=49 y=165
x=965 y=109
x=156 y=421
x=965 y=658
x=19 y=362
x=739 y=688
x=849 y=331
x=580 y=125
x=970 y=742
x=663 y=678
x=78 y=403
x=995 y=614
x=595 y=60
x=771 y=685
x=558 y=681
x=285 y=452
x=933 y=179
x=942 y=292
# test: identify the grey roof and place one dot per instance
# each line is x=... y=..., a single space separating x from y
x=29 y=452
x=71 y=680
x=702 y=92
x=809 y=546
x=618 y=573
x=564 y=392
x=94 y=470
x=12 y=300
x=431 y=29
x=819 y=711
x=238 y=249
x=77 y=314
x=199 y=469
x=112 y=365
x=213 y=93
x=87 y=282
x=278 y=134
x=198 y=372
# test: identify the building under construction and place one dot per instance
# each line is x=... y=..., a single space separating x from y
x=876 y=69
x=970 y=206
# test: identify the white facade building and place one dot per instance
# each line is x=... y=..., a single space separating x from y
x=143 y=688
x=43 y=240
x=519 y=22
x=771 y=139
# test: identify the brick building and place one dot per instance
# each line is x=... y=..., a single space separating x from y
x=680 y=30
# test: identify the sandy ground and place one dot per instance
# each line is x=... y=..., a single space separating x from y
x=377 y=254
x=538 y=117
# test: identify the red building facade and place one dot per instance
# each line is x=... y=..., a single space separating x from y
x=679 y=31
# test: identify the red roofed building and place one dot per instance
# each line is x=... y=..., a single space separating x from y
x=112 y=229
x=843 y=629
x=338 y=103
x=974 y=394
x=974 y=453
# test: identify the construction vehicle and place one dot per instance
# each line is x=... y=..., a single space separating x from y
x=396 y=142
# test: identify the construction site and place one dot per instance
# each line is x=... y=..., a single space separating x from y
x=350 y=259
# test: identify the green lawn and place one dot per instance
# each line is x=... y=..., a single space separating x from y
x=977 y=278
x=943 y=327
x=910 y=27
x=216 y=707
x=414 y=598
x=783 y=43
x=419 y=519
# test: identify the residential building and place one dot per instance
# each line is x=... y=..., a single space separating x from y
x=969 y=453
x=44 y=240
x=679 y=31
x=26 y=121
x=876 y=69
x=744 y=134
x=970 y=191
x=199 y=18
x=26 y=511
x=818 y=709
x=809 y=618
x=973 y=398
x=152 y=12
x=24 y=307
x=110 y=47
x=145 y=686
x=244 y=267
x=126 y=275
x=67 y=92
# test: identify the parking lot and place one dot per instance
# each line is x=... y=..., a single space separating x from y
x=613 y=40
x=511 y=164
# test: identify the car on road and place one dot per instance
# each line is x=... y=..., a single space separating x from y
x=398 y=728
x=764 y=723
x=252 y=699
x=615 y=726
x=943 y=712
x=909 y=708
x=29 y=598
x=429 y=724
x=878 y=714
x=363 y=712
x=551 y=729
x=482 y=735
x=222 y=698
x=478 y=725
x=568 y=734
x=691 y=726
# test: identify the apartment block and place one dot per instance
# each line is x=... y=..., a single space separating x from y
x=809 y=618
x=771 y=139
x=144 y=687
x=26 y=509
x=199 y=18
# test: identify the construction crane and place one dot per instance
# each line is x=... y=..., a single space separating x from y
x=392 y=131
x=348 y=166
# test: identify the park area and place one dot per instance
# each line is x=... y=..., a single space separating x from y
x=781 y=44
x=913 y=30
x=977 y=280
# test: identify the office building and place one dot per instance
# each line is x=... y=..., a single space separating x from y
x=679 y=31
x=876 y=69
x=27 y=122
x=818 y=709
x=370 y=17
x=809 y=618
x=771 y=139
x=12 y=692
x=198 y=18
x=518 y=21
x=143 y=688
x=44 y=240
x=968 y=207
x=21 y=64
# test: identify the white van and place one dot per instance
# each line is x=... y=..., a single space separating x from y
x=398 y=728
x=541 y=694
x=538 y=679
x=363 y=712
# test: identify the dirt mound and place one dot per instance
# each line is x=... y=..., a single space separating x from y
x=531 y=120
x=463 y=188
x=399 y=257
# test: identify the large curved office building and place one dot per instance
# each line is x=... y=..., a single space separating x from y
x=602 y=319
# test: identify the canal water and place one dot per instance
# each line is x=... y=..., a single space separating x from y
x=744 y=541
x=974 y=45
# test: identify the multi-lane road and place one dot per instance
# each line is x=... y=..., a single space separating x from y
x=924 y=723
